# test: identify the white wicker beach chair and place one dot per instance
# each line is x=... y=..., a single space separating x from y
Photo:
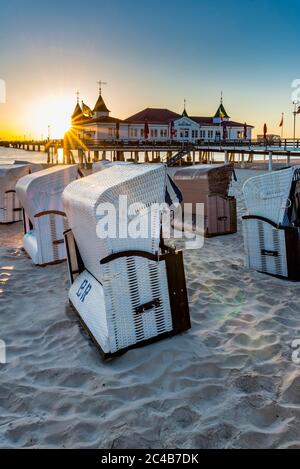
x=272 y=226
x=104 y=164
x=40 y=194
x=10 y=208
x=128 y=291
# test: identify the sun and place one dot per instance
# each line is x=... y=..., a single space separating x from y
x=50 y=114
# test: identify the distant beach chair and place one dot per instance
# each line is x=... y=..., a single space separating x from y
x=10 y=207
x=128 y=291
x=40 y=194
x=209 y=185
x=272 y=226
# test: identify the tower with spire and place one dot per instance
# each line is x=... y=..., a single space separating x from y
x=100 y=109
x=77 y=115
x=184 y=113
x=221 y=114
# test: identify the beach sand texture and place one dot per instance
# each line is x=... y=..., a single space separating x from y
x=228 y=383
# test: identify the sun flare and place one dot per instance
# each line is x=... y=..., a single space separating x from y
x=51 y=114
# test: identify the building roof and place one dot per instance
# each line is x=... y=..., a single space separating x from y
x=221 y=112
x=77 y=112
x=100 y=105
x=101 y=120
x=210 y=121
x=153 y=116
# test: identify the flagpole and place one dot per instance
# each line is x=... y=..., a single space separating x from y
x=282 y=126
x=295 y=113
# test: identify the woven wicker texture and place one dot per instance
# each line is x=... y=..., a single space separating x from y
x=268 y=195
x=259 y=237
x=142 y=184
x=198 y=181
x=42 y=192
x=9 y=203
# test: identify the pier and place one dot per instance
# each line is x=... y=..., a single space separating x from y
x=240 y=152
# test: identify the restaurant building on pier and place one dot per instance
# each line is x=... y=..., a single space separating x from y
x=156 y=124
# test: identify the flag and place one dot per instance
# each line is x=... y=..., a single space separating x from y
x=117 y=130
x=86 y=110
x=281 y=122
x=298 y=111
x=225 y=133
x=265 y=130
x=172 y=129
x=146 y=130
x=245 y=130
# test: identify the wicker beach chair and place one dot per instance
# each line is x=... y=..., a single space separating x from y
x=272 y=226
x=104 y=164
x=127 y=290
x=10 y=207
x=209 y=185
x=40 y=194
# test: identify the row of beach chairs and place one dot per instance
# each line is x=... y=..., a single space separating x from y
x=131 y=291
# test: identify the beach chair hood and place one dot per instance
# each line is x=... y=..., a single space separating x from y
x=268 y=195
x=84 y=200
x=42 y=191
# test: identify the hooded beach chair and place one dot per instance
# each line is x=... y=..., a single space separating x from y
x=40 y=194
x=104 y=164
x=208 y=185
x=272 y=226
x=10 y=208
x=128 y=290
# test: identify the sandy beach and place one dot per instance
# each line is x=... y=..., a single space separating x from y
x=227 y=383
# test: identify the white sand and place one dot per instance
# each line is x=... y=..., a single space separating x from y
x=228 y=383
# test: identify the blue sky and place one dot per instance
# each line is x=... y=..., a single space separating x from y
x=151 y=54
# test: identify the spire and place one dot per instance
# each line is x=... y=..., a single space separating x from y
x=221 y=112
x=184 y=114
x=100 y=106
x=77 y=112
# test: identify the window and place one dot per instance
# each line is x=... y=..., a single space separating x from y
x=142 y=133
x=239 y=134
x=110 y=132
x=163 y=133
x=133 y=133
x=186 y=134
x=210 y=134
x=202 y=134
x=194 y=133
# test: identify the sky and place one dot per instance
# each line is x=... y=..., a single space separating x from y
x=152 y=54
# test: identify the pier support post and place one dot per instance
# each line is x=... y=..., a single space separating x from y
x=270 y=161
x=96 y=155
x=288 y=158
x=226 y=156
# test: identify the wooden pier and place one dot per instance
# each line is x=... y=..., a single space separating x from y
x=243 y=152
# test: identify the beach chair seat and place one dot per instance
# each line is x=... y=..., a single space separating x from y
x=45 y=222
x=207 y=185
x=128 y=291
x=272 y=226
x=10 y=207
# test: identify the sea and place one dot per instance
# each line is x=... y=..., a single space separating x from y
x=9 y=155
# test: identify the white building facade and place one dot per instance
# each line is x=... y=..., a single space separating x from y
x=156 y=125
